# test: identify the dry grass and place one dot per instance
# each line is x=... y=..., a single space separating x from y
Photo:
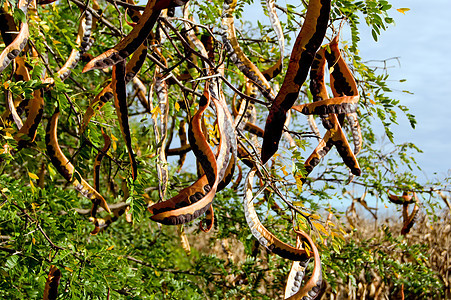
x=434 y=232
x=370 y=282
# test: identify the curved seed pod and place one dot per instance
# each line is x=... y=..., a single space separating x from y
x=304 y=49
x=320 y=151
x=134 y=14
x=161 y=90
x=51 y=284
x=65 y=167
x=296 y=274
x=120 y=103
x=356 y=132
x=343 y=84
x=192 y=38
x=44 y=2
x=27 y=133
x=12 y=110
x=409 y=221
x=135 y=38
x=266 y=238
x=13 y=49
x=318 y=82
x=193 y=201
x=337 y=105
x=132 y=68
x=275 y=23
x=183 y=143
x=227 y=133
x=21 y=73
x=254 y=129
x=184 y=239
x=344 y=149
x=83 y=41
x=237 y=55
x=335 y=135
x=314 y=287
x=7 y=24
x=18 y=104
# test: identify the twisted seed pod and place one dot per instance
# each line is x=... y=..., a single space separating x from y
x=135 y=38
x=120 y=103
x=14 y=48
x=65 y=167
x=132 y=68
x=27 y=133
x=51 y=284
x=195 y=200
x=237 y=55
x=304 y=49
x=263 y=235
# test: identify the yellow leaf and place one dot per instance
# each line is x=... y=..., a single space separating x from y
x=33 y=240
x=315 y=217
x=33 y=176
x=320 y=227
x=156 y=111
x=177 y=106
x=284 y=171
x=403 y=10
x=331 y=70
x=68 y=269
x=54 y=41
x=299 y=183
x=114 y=138
x=372 y=101
x=110 y=247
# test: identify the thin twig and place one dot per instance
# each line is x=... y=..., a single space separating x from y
x=37 y=225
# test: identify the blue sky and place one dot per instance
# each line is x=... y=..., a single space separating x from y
x=421 y=39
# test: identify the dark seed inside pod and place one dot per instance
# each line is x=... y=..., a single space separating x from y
x=198 y=195
x=316 y=288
